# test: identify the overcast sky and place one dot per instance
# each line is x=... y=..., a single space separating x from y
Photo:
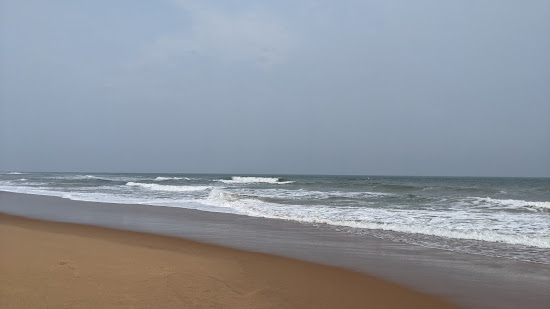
x=317 y=87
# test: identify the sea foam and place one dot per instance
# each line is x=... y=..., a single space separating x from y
x=513 y=203
x=433 y=223
x=300 y=194
x=246 y=180
x=451 y=213
x=170 y=178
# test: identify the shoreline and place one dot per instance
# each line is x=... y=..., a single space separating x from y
x=467 y=280
x=65 y=264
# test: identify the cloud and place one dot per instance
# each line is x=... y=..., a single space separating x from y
x=244 y=35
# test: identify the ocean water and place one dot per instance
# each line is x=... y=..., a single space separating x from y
x=500 y=217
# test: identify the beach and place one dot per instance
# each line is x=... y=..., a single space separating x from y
x=263 y=154
x=64 y=265
x=469 y=281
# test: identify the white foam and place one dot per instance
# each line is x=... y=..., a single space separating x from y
x=117 y=199
x=157 y=187
x=239 y=203
x=101 y=177
x=170 y=178
x=513 y=203
x=308 y=194
x=35 y=191
x=15 y=173
x=107 y=178
x=473 y=218
x=244 y=180
x=75 y=177
x=457 y=224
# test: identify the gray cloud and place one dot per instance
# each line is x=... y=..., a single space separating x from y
x=248 y=35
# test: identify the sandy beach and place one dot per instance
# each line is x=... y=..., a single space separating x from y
x=109 y=261
x=48 y=264
x=275 y=154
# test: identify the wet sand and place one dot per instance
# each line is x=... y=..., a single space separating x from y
x=51 y=264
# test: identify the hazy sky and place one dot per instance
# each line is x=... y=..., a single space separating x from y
x=326 y=87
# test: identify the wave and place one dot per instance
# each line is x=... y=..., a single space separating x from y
x=78 y=177
x=110 y=178
x=513 y=203
x=15 y=173
x=301 y=194
x=171 y=178
x=104 y=178
x=446 y=232
x=244 y=180
x=244 y=204
x=92 y=177
x=109 y=197
x=462 y=222
x=157 y=187
x=446 y=225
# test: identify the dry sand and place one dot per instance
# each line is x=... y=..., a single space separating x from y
x=64 y=265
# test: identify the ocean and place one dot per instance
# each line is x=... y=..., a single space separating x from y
x=505 y=218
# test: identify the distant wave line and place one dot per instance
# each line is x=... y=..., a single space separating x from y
x=157 y=187
x=246 y=180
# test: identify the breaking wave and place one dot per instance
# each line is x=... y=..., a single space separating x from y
x=244 y=180
x=514 y=203
x=301 y=194
x=170 y=178
x=406 y=221
x=446 y=213
x=91 y=177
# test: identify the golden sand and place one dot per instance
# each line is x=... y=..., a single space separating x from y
x=63 y=265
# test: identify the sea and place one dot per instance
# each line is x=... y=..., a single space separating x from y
x=505 y=218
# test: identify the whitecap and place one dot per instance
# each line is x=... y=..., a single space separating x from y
x=245 y=180
x=512 y=203
x=170 y=178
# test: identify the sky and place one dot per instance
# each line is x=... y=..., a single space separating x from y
x=389 y=87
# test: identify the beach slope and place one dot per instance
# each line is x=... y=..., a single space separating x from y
x=49 y=264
